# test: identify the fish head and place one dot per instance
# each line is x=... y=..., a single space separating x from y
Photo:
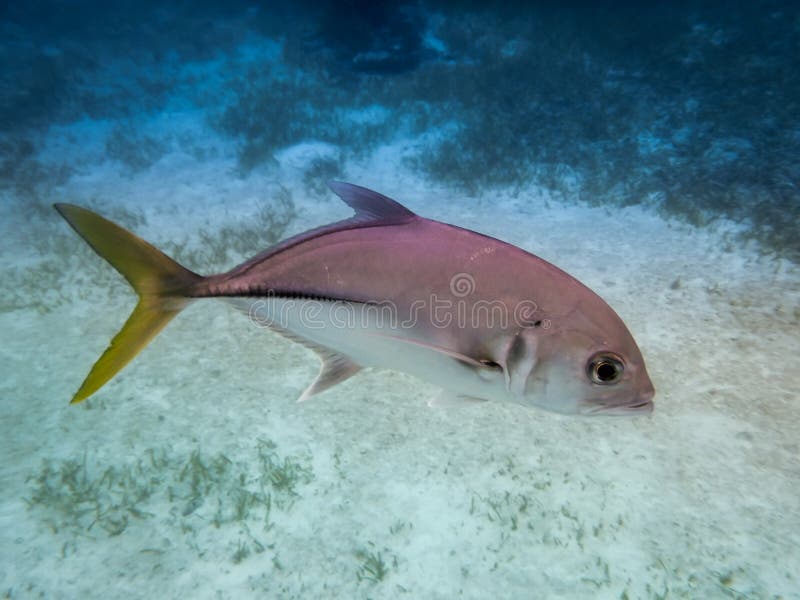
x=588 y=363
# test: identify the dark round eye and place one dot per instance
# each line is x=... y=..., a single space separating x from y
x=604 y=369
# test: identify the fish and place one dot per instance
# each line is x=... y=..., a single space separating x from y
x=480 y=318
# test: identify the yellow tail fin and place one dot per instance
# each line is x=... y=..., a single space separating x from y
x=162 y=285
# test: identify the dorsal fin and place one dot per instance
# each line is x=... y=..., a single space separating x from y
x=371 y=207
x=372 y=210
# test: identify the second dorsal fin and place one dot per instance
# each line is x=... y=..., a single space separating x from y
x=371 y=207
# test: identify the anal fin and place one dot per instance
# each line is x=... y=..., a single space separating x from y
x=335 y=369
x=448 y=399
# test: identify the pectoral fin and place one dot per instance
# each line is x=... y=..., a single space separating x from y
x=463 y=358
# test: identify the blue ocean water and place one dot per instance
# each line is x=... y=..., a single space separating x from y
x=652 y=152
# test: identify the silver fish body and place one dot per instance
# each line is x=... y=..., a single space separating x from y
x=480 y=318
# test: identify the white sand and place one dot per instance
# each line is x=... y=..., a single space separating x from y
x=698 y=501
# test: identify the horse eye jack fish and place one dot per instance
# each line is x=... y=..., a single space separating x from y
x=386 y=288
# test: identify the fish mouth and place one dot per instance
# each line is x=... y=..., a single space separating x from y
x=622 y=410
x=641 y=405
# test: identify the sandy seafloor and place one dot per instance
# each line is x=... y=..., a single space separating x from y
x=195 y=474
x=699 y=500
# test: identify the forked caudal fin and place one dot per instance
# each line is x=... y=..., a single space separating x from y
x=160 y=282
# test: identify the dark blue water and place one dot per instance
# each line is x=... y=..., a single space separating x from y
x=653 y=152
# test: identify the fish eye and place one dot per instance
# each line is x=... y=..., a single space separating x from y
x=605 y=369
